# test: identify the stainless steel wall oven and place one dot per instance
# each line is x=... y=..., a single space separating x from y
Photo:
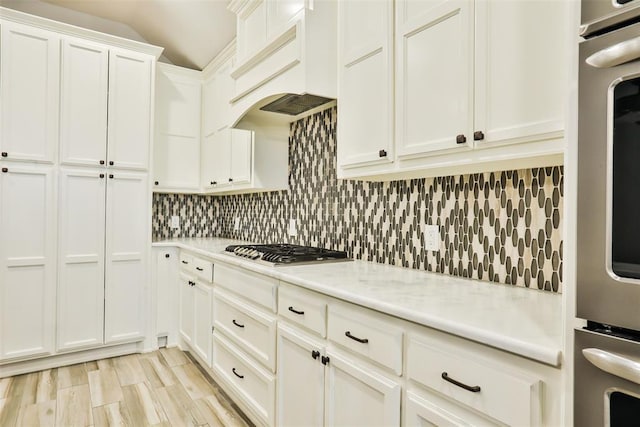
x=607 y=356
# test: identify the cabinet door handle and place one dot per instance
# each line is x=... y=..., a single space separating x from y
x=478 y=135
x=156 y=183
x=236 y=374
x=325 y=360
x=382 y=153
x=110 y=162
x=461 y=139
x=5 y=170
x=315 y=354
x=101 y=175
x=5 y=154
x=110 y=176
x=199 y=269
x=102 y=162
x=360 y=340
x=230 y=179
x=167 y=255
x=237 y=324
x=192 y=283
x=473 y=389
x=293 y=310
x=184 y=262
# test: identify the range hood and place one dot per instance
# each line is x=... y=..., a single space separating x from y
x=294 y=105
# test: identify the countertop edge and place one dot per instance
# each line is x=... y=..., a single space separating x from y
x=522 y=348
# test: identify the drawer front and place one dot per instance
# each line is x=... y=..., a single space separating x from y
x=186 y=263
x=253 y=383
x=203 y=269
x=252 y=329
x=256 y=287
x=369 y=335
x=509 y=397
x=303 y=308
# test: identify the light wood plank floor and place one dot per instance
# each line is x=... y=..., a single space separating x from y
x=164 y=388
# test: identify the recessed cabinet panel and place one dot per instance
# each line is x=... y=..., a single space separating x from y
x=252 y=30
x=202 y=335
x=29 y=78
x=434 y=79
x=241 y=155
x=27 y=264
x=186 y=308
x=520 y=71
x=129 y=110
x=126 y=256
x=280 y=13
x=83 y=103
x=220 y=158
x=81 y=259
x=177 y=162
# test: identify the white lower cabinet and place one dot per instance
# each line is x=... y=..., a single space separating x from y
x=196 y=315
x=27 y=261
x=426 y=409
x=186 y=308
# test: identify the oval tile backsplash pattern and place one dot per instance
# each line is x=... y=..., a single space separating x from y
x=503 y=227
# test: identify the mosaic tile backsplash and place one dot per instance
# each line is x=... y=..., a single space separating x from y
x=503 y=227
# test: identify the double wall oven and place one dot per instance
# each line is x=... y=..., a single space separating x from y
x=607 y=351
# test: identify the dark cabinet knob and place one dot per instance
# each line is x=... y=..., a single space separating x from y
x=461 y=139
x=5 y=170
x=110 y=176
x=230 y=179
x=5 y=154
x=478 y=135
x=101 y=175
x=325 y=360
x=382 y=153
x=102 y=162
x=156 y=183
x=110 y=162
x=167 y=256
x=315 y=354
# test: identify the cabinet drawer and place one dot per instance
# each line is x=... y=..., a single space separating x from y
x=203 y=269
x=249 y=327
x=186 y=262
x=258 y=288
x=304 y=308
x=254 y=384
x=367 y=334
x=430 y=360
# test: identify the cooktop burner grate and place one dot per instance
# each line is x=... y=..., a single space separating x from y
x=284 y=253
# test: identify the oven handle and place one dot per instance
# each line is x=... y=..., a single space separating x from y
x=613 y=363
x=619 y=53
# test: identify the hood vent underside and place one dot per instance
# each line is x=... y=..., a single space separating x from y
x=293 y=104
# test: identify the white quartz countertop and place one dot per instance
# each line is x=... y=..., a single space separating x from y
x=522 y=321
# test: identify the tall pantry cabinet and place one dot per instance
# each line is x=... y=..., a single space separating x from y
x=75 y=108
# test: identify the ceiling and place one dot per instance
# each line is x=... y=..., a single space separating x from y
x=192 y=32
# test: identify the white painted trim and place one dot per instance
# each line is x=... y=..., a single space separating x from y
x=178 y=71
x=72 y=30
x=221 y=58
x=65 y=359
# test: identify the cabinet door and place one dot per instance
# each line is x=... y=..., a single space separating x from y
x=300 y=397
x=434 y=79
x=219 y=158
x=81 y=259
x=165 y=277
x=421 y=412
x=29 y=79
x=127 y=240
x=83 y=103
x=130 y=79
x=186 y=308
x=365 y=83
x=358 y=395
x=241 y=155
x=216 y=94
x=27 y=261
x=203 y=320
x=177 y=139
x=519 y=65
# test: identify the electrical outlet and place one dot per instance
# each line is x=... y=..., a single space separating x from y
x=432 y=238
x=293 y=229
x=236 y=224
x=175 y=222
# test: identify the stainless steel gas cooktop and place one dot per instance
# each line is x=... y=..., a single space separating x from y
x=286 y=254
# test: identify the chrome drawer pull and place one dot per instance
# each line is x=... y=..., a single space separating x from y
x=236 y=374
x=360 y=340
x=473 y=389
x=237 y=324
x=293 y=310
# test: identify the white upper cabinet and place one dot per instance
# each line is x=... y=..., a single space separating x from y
x=83 y=103
x=217 y=91
x=81 y=258
x=28 y=264
x=130 y=94
x=241 y=156
x=177 y=136
x=126 y=258
x=520 y=71
x=29 y=78
x=434 y=75
x=365 y=83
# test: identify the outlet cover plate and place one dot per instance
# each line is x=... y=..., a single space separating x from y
x=293 y=229
x=432 y=238
x=175 y=222
x=236 y=224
